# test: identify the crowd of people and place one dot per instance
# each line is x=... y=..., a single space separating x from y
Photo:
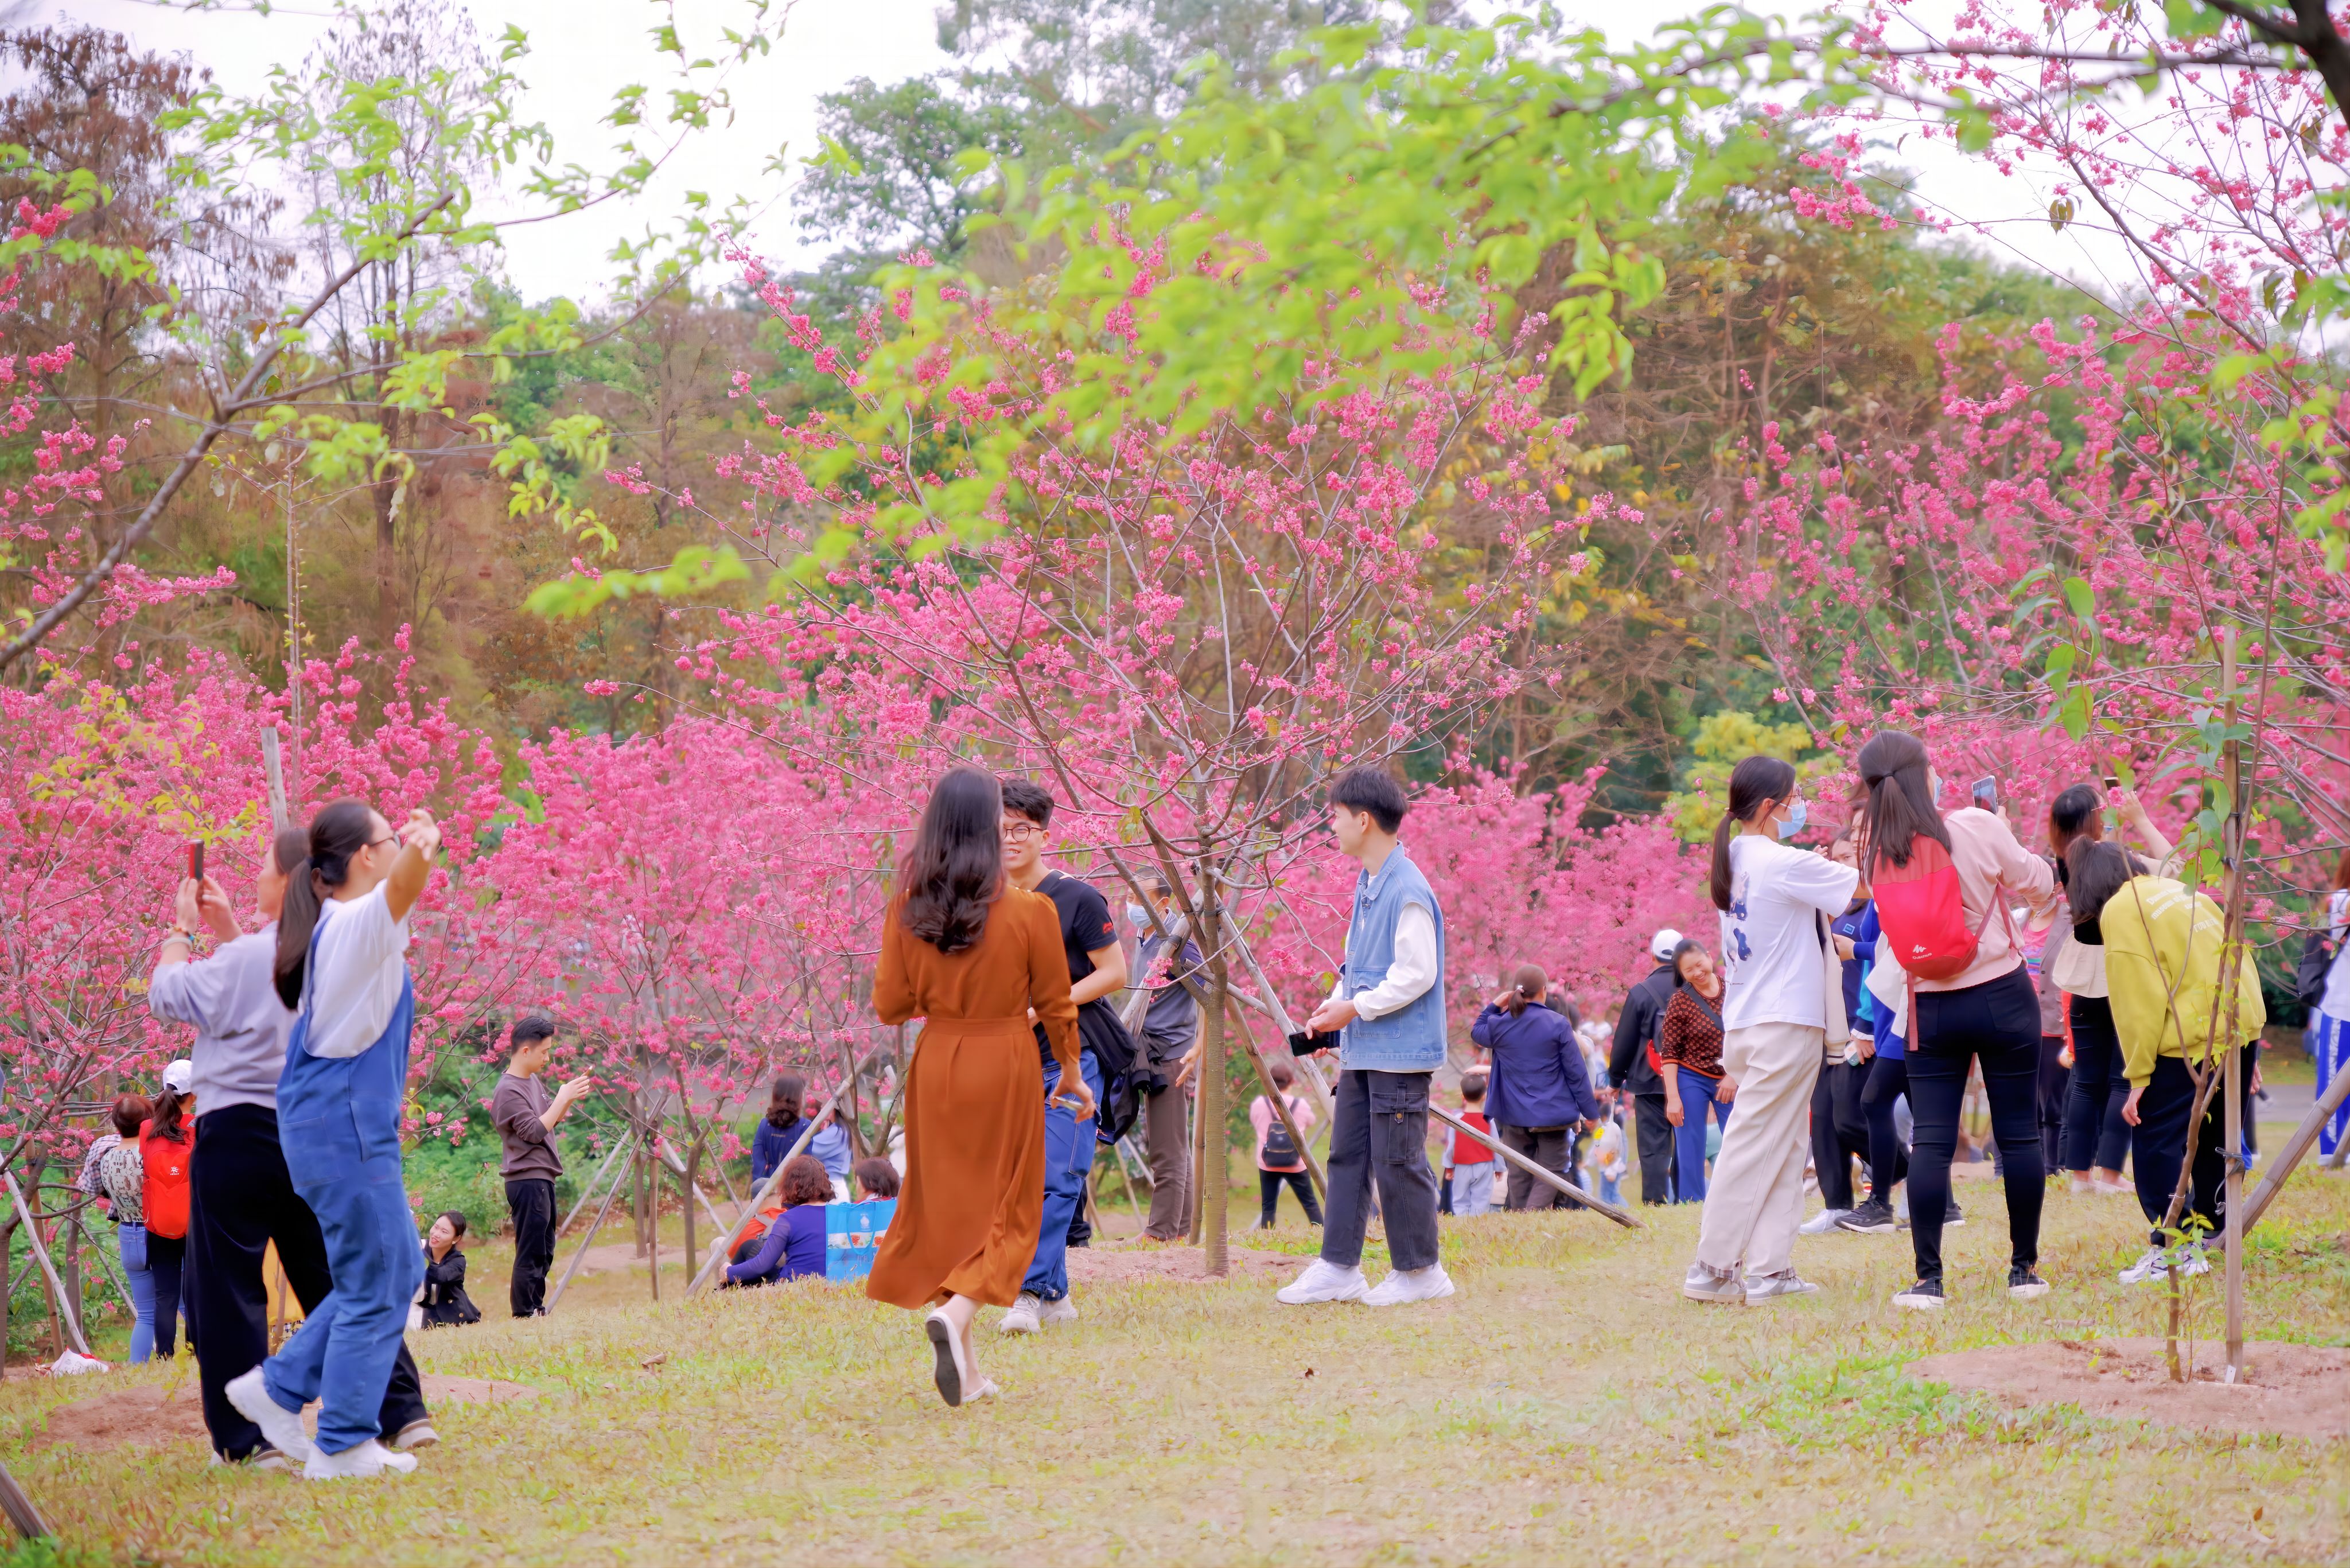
x=1826 y=1041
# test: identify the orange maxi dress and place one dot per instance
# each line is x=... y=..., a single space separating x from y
x=975 y=1190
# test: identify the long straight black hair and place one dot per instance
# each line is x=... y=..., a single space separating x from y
x=1751 y=781
x=1900 y=807
x=955 y=871
x=338 y=832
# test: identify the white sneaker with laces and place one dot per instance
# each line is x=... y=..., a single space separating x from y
x=281 y=1428
x=1407 y=1285
x=1324 y=1282
x=1821 y=1223
x=1062 y=1311
x=2148 y=1265
x=1023 y=1316
x=357 y=1462
x=1771 y=1287
x=1702 y=1285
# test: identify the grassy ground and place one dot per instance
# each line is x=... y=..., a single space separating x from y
x=1564 y=1407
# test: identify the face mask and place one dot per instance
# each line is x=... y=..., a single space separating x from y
x=1138 y=916
x=1793 y=824
x=1933 y=786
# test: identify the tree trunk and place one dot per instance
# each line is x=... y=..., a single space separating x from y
x=1215 y=1195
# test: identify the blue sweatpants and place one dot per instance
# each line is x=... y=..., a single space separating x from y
x=343 y=1353
x=1069 y=1155
x=2329 y=1042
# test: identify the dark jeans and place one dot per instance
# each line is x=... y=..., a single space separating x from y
x=240 y=1199
x=2055 y=1083
x=1550 y=1147
x=1379 y=1137
x=532 y=1204
x=167 y=1258
x=2094 y=1133
x=1269 y=1184
x=1889 y=1080
x=1999 y=1023
x=1839 y=1129
x=1655 y=1135
x=2160 y=1145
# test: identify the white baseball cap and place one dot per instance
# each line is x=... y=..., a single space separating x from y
x=180 y=1076
x=1661 y=945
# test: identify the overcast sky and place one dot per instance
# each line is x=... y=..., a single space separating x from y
x=582 y=51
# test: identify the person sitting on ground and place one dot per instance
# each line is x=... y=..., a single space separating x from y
x=444 y=1301
x=793 y=1247
x=781 y=1127
x=876 y=1179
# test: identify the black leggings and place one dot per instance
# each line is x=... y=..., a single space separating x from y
x=1889 y=1080
x=1269 y=1188
x=1998 y=1023
x=167 y=1258
x=2094 y=1133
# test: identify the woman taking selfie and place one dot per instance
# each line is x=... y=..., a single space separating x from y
x=342 y=963
x=974 y=957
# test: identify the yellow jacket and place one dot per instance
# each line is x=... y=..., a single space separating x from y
x=2157 y=936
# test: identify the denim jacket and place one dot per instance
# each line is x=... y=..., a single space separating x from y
x=1411 y=1039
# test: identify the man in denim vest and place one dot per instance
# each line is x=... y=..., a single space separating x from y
x=1390 y=1001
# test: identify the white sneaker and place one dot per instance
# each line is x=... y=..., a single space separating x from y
x=2148 y=1265
x=1821 y=1223
x=2153 y=1264
x=1062 y=1311
x=1769 y=1287
x=357 y=1462
x=1023 y=1316
x=1702 y=1285
x=1324 y=1282
x=1407 y=1285
x=280 y=1428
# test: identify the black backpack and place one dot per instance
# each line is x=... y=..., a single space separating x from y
x=2318 y=957
x=1280 y=1149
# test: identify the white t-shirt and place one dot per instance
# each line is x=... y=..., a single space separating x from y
x=2336 y=1000
x=1772 y=964
x=356 y=974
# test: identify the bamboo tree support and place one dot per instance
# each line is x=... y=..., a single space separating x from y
x=595 y=1184
x=2232 y=1214
x=2303 y=1138
x=1573 y=1193
x=18 y=1504
x=66 y=1321
x=586 y=1241
x=774 y=1181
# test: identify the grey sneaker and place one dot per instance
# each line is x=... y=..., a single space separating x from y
x=1702 y=1285
x=2148 y=1265
x=1871 y=1219
x=1024 y=1316
x=1771 y=1287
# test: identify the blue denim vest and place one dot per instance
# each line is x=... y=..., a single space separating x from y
x=1412 y=1039
x=339 y=1116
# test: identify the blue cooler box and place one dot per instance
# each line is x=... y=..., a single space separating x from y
x=852 y=1233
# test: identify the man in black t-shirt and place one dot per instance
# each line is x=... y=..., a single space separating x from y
x=1096 y=972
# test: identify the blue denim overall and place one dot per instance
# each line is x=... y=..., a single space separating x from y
x=338 y=1124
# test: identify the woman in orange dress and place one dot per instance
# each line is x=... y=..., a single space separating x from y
x=979 y=959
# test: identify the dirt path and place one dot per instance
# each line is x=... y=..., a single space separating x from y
x=151 y=1416
x=2292 y=1390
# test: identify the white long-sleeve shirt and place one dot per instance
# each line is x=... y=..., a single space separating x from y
x=1411 y=973
x=241 y=1026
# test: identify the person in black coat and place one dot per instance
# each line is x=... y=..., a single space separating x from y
x=443 y=1300
x=1631 y=1068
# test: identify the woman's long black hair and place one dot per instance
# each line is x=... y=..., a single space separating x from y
x=785 y=1099
x=2073 y=814
x=338 y=832
x=955 y=871
x=1900 y=805
x=1751 y=781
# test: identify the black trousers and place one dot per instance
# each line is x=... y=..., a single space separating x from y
x=1655 y=1135
x=1839 y=1130
x=2094 y=1133
x=1998 y=1023
x=1888 y=1080
x=240 y=1200
x=531 y=1201
x=1550 y=1147
x=2159 y=1144
x=1269 y=1184
x=1379 y=1137
x=2055 y=1086
x=167 y=1258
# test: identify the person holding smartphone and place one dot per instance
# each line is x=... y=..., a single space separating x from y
x=526 y=1116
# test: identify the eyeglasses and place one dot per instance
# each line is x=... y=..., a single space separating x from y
x=387 y=838
x=1014 y=832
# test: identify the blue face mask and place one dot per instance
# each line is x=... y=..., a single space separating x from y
x=1794 y=823
x=1138 y=917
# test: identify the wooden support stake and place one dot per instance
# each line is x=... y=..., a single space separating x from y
x=18 y=1506
x=586 y=1241
x=1574 y=1193
x=48 y=1269
x=595 y=1183
x=2303 y=1138
x=281 y=817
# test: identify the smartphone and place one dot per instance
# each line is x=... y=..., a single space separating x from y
x=196 y=861
x=2113 y=783
x=1305 y=1045
x=1986 y=792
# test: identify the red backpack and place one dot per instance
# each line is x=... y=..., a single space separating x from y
x=1922 y=912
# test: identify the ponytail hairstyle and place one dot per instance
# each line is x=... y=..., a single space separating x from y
x=338 y=832
x=955 y=871
x=1751 y=781
x=785 y=1099
x=169 y=1105
x=1900 y=807
x=2073 y=815
x=1525 y=986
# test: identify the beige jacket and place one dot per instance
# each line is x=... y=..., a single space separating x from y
x=1993 y=869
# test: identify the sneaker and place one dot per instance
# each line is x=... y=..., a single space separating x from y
x=270 y=1460
x=2149 y=1264
x=280 y=1428
x=1407 y=1285
x=2025 y=1285
x=1871 y=1219
x=1926 y=1295
x=1324 y=1282
x=1952 y=1217
x=357 y=1462
x=1702 y=1285
x=1771 y=1287
x=946 y=1344
x=413 y=1436
x=1825 y=1221
x=1023 y=1316
x=2195 y=1261
x=1062 y=1311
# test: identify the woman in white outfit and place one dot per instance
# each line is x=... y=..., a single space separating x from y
x=1775 y=902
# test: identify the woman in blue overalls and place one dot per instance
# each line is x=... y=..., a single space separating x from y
x=342 y=945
